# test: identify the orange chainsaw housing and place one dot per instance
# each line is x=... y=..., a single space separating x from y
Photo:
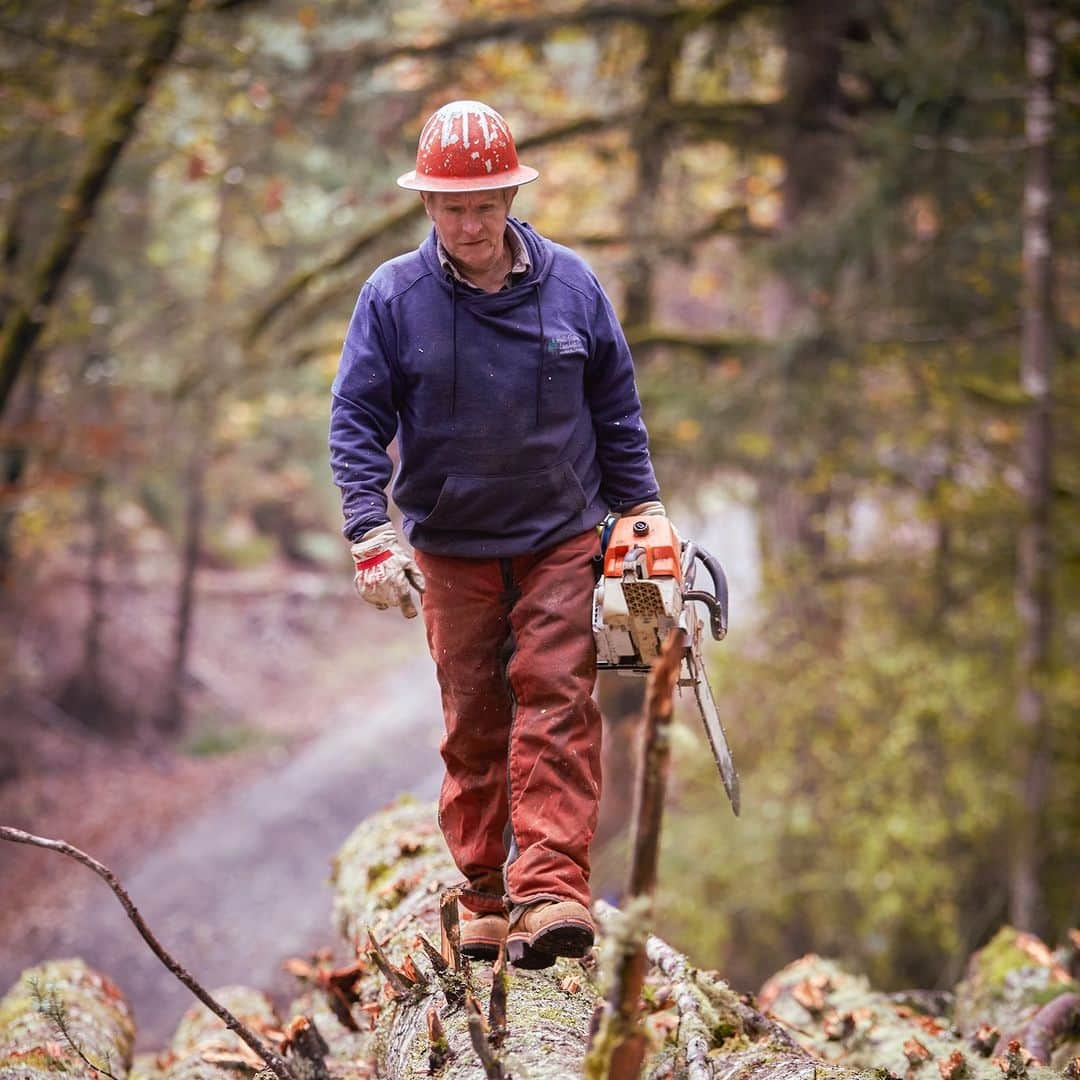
x=661 y=543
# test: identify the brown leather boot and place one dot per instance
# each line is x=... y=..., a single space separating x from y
x=548 y=929
x=482 y=935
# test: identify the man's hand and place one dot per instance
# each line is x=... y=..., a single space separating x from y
x=385 y=570
x=652 y=508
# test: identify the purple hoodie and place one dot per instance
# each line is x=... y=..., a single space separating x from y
x=517 y=417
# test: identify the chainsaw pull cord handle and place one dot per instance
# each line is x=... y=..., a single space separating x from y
x=717 y=600
x=632 y=562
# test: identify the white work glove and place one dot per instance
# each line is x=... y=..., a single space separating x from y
x=652 y=508
x=385 y=570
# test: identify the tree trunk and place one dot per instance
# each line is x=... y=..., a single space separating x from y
x=172 y=720
x=26 y=319
x=650 y=138
x=59 y=996
x=14 y=451
x=1034 y=590
x=794 y=504
x=98 y=518
x=87 y=696
x=172 y=717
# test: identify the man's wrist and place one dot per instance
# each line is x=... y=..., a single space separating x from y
x=649 y=507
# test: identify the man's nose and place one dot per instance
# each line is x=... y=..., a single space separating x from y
x=471 y=223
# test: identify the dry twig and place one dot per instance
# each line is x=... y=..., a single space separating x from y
x=273 y=1060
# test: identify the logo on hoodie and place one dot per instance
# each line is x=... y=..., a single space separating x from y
x=565 y=344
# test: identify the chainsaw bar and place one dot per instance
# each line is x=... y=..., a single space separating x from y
x=714 y=728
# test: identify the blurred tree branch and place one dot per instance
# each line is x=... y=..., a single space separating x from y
x=482 y=31
x=29 y=311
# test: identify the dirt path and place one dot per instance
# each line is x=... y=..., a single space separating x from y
x=243 y=885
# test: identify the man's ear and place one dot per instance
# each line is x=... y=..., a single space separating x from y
x=424 y=196
x=510 y=194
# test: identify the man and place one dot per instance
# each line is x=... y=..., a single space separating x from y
x=495 y=357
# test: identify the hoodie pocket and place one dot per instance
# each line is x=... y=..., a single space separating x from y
x=502 y=505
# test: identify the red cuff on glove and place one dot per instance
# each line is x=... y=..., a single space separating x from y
x=373 y=560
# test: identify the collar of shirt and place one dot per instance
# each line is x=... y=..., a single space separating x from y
x=519 y=258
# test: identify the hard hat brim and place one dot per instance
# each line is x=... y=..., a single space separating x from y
x=522 y=174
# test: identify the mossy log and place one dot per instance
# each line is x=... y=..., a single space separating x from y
x=204 y=1049
x=837 y=1017
x=389 y=878
x=1010 y=977
x=64 y=1018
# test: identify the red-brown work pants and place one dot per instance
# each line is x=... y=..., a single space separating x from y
x=522 y=741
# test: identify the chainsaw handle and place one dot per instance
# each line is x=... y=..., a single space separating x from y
x=717 y=600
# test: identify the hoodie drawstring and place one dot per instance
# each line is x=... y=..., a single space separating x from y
x=453 y=346
x=543 y=341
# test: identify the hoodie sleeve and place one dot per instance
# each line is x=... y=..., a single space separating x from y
x=363 y=414
x=622 y=443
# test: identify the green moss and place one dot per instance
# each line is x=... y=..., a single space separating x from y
x=999 y=958
x=725 y=1028
x=376 y=871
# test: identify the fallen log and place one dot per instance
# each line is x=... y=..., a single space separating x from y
x=64 y=1018
x=837 y=1017
x=389 y=878
x=1009 y=980
x=203 y=1048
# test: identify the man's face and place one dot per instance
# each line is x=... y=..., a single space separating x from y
x=471 y=225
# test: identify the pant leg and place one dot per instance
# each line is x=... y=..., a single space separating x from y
x=555 y=738
x=466 y=609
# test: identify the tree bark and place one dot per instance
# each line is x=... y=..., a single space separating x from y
x=26 y=318
x=1034 y=588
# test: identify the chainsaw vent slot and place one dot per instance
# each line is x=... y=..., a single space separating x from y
x=643 y=599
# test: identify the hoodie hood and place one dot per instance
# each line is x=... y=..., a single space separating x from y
x=541 y=258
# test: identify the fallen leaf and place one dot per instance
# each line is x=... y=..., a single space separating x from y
x=916 y=1053
x=810 y=994
x=954 y=1067
x=929 y=1024
x=838 y=1026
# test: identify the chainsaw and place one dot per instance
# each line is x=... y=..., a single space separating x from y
x=646 y=589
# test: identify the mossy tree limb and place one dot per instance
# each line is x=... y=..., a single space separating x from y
x=618 y=1046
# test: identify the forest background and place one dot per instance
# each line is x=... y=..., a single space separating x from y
x=841 y=238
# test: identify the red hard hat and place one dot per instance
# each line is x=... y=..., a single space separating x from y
x=466 y=146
